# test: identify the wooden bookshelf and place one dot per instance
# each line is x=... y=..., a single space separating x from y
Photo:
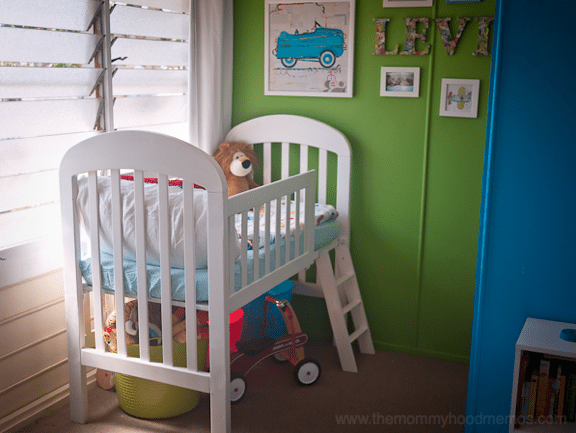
x=540 y=349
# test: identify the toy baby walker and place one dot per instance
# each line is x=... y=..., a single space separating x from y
x=286 y=348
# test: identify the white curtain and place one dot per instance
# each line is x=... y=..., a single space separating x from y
x=210 y=68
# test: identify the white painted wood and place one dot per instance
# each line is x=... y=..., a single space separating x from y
x=23 y=412
x=46 y=46
x=328 y=283
x=126 y=20
x=343 y=197
x=279 y=128
x=190 y=270
x=74 y=300
x=285 y=160
x=28 y=190
x=34 y=324
x=149 y=110
x=303 y=158
x=278 y=250
x=19 y=249
x=150 y=53
x=61 y=116
x=30 y=360
x=31 y=155
x=176 y=376
x=27 y=82
x=117 y=250
x=171 y=5
x=150 y=81
x=176 y=130
x=353 y=297
x=267 y=162
x=142 y=278
x=94 y=204
x=165 y=287
x=322 y=175
x=56 y=14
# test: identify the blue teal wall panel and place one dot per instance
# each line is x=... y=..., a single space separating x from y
x=527 y=243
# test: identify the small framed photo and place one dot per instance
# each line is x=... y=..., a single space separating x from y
x=402 y=82
x=309 y=48
x=459 y=97
x=407 y=3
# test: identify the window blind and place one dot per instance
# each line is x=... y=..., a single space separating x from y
x=150 y=56
x=47 y=104
x=52 y=95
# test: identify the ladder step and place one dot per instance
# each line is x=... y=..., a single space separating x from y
x=357 y=333
x=345 y=278
x=351 y=305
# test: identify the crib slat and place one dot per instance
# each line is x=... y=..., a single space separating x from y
x=297 y=220
x=256 y=244
x=190 y=276
x=267 y=175
x=322 y=175
x=267 y=239
x=278 y=234
x=303 y=158
x=285 y=160
x=244 y=249
x=287 y=219
x=95 y=253
x=140 y=227
x=116 y=204
x=165 y=280
x=232 y=254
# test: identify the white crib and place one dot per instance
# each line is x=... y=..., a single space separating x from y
x=231 y=282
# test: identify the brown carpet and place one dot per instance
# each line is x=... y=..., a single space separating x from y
x=392 y=392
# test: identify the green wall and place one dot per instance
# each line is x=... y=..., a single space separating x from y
x=416 y=176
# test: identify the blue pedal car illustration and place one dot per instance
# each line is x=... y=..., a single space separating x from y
x=321 y=45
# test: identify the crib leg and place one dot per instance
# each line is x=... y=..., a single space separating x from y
x=78 y=393
x=76 y=371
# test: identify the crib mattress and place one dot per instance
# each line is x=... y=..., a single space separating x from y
x=324 y=235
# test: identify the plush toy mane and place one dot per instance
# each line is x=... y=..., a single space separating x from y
x=226 y=151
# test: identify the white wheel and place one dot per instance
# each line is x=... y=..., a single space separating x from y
x=307 y=372
x=238 y=388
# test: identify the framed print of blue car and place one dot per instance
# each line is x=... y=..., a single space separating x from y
x=309 y=48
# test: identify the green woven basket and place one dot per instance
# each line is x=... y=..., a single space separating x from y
x=148 y=399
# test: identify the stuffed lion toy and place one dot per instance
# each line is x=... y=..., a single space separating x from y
x=237 y=160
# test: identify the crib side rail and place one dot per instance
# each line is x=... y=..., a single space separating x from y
x=301 y=190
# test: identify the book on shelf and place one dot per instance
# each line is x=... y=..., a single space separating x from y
x=546 y=389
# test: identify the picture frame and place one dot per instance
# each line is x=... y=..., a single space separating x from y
x=459 y=97
x=407 y=3
x=400 y=82
x=295 y=64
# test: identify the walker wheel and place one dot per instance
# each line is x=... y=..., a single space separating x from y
x=307 y=372
x=238 y=387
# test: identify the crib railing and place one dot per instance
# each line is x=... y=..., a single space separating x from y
x=300 y=189
x=142 y=293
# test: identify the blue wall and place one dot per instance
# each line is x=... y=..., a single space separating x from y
x=527 y=245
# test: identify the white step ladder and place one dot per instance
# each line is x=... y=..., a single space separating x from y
x=342 y=295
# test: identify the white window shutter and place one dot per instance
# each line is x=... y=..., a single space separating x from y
x=52 y=96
